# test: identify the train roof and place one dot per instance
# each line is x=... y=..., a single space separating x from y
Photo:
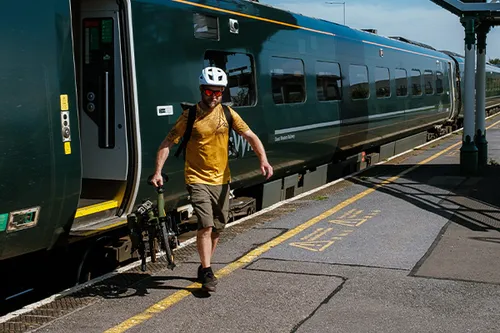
x=345 y=31
x=461 y=59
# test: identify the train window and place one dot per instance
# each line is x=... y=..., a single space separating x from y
x=429 y=82
x=439 y=83
x=416 y=82
x=240 y=74
x=288 y=81
x=328 y=81
x=382 y=80
x=358 y=77
x=401 y=82
x=205 y=26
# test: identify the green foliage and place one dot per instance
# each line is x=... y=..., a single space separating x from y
x=495 y=61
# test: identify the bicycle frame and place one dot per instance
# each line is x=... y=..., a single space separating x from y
x=151 y=228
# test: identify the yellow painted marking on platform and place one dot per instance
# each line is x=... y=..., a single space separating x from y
x=348 y=213
x=321 y=234
x=320 y=246
x=351 y=221
x=317 y=246
x=355 y=214
x=89 y=210
x=312 y=235
x=252 y=255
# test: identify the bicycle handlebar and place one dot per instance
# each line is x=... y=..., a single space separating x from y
x=159 y=188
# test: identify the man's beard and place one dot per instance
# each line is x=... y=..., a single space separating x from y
x=212 y=103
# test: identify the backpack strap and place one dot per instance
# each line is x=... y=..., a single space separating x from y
x=229 y=119
x=187 y=133
x=229 y=116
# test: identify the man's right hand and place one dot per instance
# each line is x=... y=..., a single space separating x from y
x=157 y=180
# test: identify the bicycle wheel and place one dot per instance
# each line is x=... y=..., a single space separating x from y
x=153 y=248
x=166 y=245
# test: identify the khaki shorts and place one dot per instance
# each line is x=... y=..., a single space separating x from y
x=211 y=205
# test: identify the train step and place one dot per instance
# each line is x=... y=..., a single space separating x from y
x=95 y=215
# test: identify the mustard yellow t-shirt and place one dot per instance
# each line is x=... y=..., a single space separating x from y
x=207 y=148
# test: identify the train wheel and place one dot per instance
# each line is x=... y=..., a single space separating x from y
x=96 y=260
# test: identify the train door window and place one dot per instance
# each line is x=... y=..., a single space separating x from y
x=288 y=81
x=416 y=82
x=401 y=82
x=429 y=82
x=358 y=78
x=328 y=81
x=382 y=80
x=240 y=73
x=439 y=83
x=206 y=26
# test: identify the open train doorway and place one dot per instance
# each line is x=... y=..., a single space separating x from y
x=105 y=114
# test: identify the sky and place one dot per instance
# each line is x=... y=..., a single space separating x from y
x=419 y=20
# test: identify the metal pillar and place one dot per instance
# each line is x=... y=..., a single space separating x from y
x=468 y=151
x=480 y=133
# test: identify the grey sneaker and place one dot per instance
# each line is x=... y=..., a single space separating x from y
x=209 y=281
x=199 y=278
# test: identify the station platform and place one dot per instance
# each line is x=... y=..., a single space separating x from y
x=409 y=245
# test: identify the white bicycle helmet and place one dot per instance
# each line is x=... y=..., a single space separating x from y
x=213 y=76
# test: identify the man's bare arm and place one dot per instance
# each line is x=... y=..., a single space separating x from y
x=161 y=157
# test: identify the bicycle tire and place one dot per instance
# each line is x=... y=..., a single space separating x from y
x=153 y=248
x=166 y=245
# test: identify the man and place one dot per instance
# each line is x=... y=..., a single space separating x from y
x=206 y=169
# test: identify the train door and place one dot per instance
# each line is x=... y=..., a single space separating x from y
x=103 y=116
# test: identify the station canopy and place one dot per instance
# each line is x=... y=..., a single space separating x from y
x=488 y=11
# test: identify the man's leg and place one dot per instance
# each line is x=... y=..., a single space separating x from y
x=215 y=240
x=202 y=204
x=204 y=243
x=221 y=209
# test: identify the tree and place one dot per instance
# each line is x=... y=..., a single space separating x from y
x=495 y=61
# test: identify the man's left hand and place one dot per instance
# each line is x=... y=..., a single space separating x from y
x=267 y=169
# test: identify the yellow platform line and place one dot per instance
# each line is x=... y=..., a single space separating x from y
x=100 y=207
x=252 y=255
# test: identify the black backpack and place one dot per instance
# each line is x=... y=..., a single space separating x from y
x=189 y=128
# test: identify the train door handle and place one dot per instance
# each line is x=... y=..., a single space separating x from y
x=106 y=110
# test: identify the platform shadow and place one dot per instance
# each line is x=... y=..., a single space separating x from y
x=487 y=239
x=471 y=202
x=127 y=285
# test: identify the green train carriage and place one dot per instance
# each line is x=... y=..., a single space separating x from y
x=90 y=88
